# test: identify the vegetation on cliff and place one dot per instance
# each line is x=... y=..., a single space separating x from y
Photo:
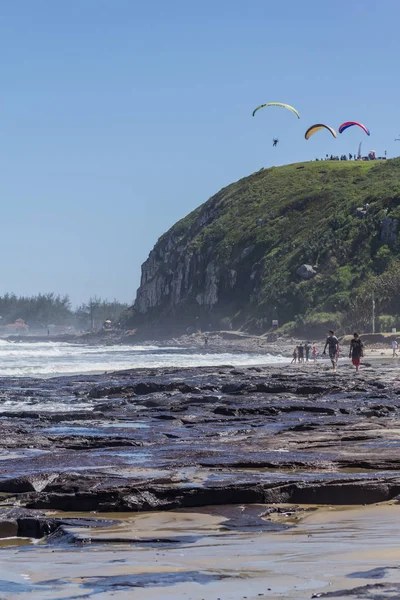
x=339 y=219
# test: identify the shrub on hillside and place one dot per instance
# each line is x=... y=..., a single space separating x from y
x=383 y=259
x=288 y=328
x=317 y=324
x=385 y=323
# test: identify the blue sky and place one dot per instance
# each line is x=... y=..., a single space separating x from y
x=118 y=117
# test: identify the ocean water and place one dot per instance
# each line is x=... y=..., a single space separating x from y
x=49 y=359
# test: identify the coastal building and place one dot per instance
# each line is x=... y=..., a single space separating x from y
x=17 y=328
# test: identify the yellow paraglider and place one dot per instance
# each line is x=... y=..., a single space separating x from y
x=277 y=104
x=314 y=128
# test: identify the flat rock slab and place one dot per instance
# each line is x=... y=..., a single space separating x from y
x=156 y=439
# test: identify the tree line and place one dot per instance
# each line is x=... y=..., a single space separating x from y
x=43 y=310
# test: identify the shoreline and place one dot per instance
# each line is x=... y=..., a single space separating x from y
x=217 y=341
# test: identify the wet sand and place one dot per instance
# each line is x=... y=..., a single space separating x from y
x=326 y=549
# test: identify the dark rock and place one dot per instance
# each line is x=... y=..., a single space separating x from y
x=263 y=437
x=389 y=229
x=224 y=410
x=378 y=573
x=306 y=272
x=372 y=591
x=8 y=528
x=108 y=584
x=28 y=483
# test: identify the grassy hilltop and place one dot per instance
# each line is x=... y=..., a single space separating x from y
x=258 y=232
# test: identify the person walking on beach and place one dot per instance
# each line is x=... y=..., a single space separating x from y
x=356 y=351
x=314 y=352
x=394 y=348
x=307 y=348
x=333 y=344
x=300 y=351
x=294 y=359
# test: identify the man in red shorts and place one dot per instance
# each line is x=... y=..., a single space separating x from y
x=356 y=351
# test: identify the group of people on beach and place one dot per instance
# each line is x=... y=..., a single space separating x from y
x=302 y=352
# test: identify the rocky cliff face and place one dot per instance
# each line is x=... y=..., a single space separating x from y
x=238 y=258
x=177 y=274
x=169 y=280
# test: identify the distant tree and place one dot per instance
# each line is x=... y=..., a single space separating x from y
x=37 y=311
x=43 y=310
x=92 y=314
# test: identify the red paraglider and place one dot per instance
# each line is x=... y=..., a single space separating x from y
x=348 y=124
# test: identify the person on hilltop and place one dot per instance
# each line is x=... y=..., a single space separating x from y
x=356 y=351
x=333 y=344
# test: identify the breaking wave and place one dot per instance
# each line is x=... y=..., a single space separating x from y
x=49 y=359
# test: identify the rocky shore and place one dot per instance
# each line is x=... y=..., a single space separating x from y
x=377 y=345
x=163 y=439
x=215 y=341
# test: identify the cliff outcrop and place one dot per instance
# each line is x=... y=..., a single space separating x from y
x=283 y=242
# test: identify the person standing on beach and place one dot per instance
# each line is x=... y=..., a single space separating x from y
x=333 y=344
x=314 y=352
x=356 y=351
x=300 y=350
x=294 y=359
x=394 y=348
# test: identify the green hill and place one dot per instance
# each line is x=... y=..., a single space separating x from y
x=235 y=260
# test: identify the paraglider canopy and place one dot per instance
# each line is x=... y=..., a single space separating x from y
x=317 y=127
x=287 y=106
x=348 y=124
